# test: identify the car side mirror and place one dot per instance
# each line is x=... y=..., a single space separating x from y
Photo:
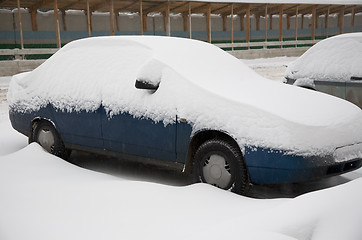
x=146 y=85
x=149 y=75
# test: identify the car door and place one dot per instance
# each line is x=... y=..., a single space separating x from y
x=82 y=128
x=142 y=137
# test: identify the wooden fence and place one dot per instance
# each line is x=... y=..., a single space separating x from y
x=20 y=53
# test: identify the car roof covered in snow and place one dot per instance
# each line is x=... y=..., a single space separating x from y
x=337 y=58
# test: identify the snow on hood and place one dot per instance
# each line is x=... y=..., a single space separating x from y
x=198 y=82
x=337 y=58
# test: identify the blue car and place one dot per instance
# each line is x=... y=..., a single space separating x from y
x=184 y=104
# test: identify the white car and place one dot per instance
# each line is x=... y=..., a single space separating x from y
x=332 y=66
x=186 y=104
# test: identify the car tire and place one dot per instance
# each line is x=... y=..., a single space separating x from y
x=45 y=134
x=219 y=163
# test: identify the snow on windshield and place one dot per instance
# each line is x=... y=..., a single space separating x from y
x=336 y=58
x=198 y=82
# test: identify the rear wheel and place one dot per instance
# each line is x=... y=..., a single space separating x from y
x=47 y=136
x=219 y=163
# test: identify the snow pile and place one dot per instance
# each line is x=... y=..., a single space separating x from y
x=337 y=58
x=48 y=198
x=198 y=82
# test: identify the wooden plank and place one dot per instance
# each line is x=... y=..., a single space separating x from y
x=111 y=16
x=341 y=20
x=241 y=22
x=270 y=21
x=167 y=20
x=208 y=22
x=144 y=22
x=223 y=10
x=89 y=20
x=224 y=21
x=266 y=23
x=180 y=8
x=288 y=21
x=158 y=8
x=127 y=8
x=327 y=22
x=141 y=16
x=56 y=19
x=281 y=23
x=99 y=5
x=190 y=30
x=248 y=23
x=40 y=4
x=313 y=23
x=352 y=18
x=117 y=20
x=184 y=19
x=34 y=22
x=257 y=22
x=20 y=26
x=202 y=9
x=232 y=23
x=296 y=23
x=63 y=20
x=70 y=5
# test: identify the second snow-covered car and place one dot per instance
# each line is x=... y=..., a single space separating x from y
x=332 y=66
x=186 y=104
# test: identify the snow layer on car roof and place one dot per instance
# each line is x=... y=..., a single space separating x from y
x=337 y=58
x=199 y=82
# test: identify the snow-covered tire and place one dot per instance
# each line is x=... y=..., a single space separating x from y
x=219 y=163
x=46 y=135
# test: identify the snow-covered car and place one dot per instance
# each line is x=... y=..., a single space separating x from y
x=332 y=66
x=185 y=104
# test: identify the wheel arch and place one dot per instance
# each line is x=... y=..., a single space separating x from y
x=202 y=136
x=36 y=121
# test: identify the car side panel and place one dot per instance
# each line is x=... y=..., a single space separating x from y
x=139 y=136
x=354 y=92
x=334 y=88
x=80 y=127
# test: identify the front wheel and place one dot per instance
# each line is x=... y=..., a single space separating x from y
x=219 y=163
x=46 y=135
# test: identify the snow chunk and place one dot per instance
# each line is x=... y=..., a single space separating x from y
x=304 y=82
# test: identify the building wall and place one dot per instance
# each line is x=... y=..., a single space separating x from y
x=76 y=26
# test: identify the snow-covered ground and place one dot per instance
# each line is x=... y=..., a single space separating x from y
x=44 y=197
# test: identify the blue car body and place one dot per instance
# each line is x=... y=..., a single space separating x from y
x=145 y=140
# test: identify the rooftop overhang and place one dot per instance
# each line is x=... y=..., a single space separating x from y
x=198 y=7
